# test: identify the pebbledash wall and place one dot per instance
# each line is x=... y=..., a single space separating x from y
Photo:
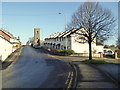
x=5 y=48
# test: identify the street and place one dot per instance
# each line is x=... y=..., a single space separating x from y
x=35 y=69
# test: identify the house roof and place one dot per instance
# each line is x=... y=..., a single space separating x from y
x=70 y=32
x=7 y=33
x=54 y=35
x=62 y=34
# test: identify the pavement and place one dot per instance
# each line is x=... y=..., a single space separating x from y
x=112 y=70
x=11 y=58
x=94 y=75
x=90 y=76
x=81 y=58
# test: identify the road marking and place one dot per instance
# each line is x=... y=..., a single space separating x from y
x=69 y=79
x=72 y=74
x=69 y=74
x=69 y=85
x=66 y=81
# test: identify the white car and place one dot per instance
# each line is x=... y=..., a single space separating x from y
x=109 y=53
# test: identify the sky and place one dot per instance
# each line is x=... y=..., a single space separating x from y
x=20 y=18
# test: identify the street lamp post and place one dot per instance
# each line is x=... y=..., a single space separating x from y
x=65 y=26
x=64 y=20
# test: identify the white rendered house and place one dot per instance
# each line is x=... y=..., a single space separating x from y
x=7 y=44
x=71 y=40
x=5 y=48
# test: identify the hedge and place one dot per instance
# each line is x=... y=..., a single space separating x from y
x=65 y=52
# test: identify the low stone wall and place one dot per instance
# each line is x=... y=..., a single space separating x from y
x=86 y=54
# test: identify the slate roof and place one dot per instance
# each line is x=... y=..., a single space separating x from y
x=62 y=34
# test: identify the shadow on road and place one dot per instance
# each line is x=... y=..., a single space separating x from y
x=44 y=51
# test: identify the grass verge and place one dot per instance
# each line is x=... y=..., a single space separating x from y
x=94 y=61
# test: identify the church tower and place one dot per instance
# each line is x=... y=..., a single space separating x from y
x=37 y=36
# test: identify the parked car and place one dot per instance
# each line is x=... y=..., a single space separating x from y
x=108 y=53
x=36 y=46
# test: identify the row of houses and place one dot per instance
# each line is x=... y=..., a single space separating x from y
x=71 y=39
x=8 y=44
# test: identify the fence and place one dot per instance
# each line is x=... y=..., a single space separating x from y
x=86 y=55
x=117 y=54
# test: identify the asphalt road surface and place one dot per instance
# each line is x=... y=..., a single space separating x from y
x=35 y=69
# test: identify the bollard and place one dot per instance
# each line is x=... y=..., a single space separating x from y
x=116 y=55
x=1 y=57
x=0 y=60
x=101 y=55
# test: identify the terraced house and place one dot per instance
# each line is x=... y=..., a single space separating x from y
x=8 y=44
x=71 y=39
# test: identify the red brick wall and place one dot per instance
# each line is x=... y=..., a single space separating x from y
x=5 y=35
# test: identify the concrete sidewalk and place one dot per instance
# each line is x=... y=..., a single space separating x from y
x=113 y=70
x=94 y=75
x=77 y=58
x=90 y=77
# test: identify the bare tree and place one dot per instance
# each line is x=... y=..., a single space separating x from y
x=31 y=40
x=96 y=21
x=118 y=43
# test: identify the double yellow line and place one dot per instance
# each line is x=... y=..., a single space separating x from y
x=69 y=79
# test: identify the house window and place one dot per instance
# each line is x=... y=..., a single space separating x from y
x=60 y=39
x=57 y=39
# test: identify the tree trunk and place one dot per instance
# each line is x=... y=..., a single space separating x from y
x=90 y=50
